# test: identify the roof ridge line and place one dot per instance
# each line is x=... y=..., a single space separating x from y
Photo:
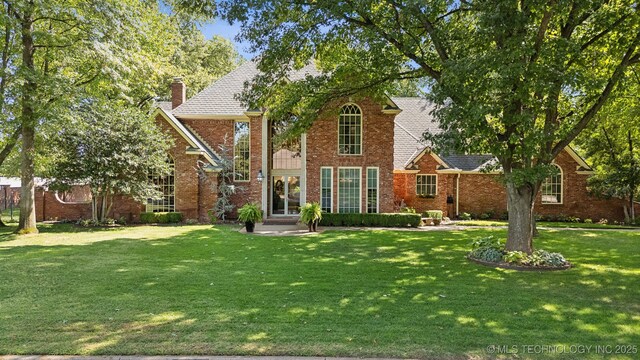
x=407 y=131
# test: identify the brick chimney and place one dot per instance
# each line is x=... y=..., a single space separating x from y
x=178 y=92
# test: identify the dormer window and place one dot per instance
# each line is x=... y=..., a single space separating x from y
x=350 y=130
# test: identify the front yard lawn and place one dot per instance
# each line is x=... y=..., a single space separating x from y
x=203 y=290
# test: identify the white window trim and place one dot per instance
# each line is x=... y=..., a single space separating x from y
x=436 y=175
x=561 y=189
x=360 y=188
x=234 y=151
x=330 y=186
x=361 y=130
x=377 y=188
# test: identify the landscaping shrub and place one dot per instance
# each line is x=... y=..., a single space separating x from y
x=487 y=242
x=372 y=220
x=515 y=257
x=491 y=249
x=588 y=221
x=160 y=217
x=487 y=254
x=408 y=210
x=464 y=216
x=545 y=258
x=434 y=214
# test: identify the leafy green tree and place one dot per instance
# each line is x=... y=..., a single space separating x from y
x=517 y=79
x=60 y=53
x=113 y=149
x=613 y=146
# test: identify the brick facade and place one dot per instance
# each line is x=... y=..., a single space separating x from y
x=195 y=191
x=484 y=193
x=377 y=151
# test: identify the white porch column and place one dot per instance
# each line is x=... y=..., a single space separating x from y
x=265 y=165
x=303 y=171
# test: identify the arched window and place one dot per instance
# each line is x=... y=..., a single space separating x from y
x=552 y=188
x=350 y=130
x=166 y=185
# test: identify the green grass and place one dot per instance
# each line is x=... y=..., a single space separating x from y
x=6 y=215
x=547 y=224
x=204 y=290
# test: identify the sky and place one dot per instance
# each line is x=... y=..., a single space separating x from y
x=222 y=28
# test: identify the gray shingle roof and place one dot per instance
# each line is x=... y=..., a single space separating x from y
x=468 y=162
x=414 y=120
x=164 y=105
x=220 y=97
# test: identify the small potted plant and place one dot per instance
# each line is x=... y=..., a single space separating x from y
x=250 y=214
x=311 y=214
x=436 y=215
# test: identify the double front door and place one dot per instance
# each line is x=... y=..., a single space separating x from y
x=285 y=195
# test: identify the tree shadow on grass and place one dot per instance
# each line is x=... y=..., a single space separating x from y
x=373 y=293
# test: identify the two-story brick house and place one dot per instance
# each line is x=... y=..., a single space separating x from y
x=363 y=157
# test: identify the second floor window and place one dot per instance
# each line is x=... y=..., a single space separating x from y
x=350 y=130
x=241 y=153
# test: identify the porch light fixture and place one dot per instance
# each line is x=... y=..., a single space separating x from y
x=260 y=176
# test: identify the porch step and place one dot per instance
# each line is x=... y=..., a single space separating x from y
x=281 y=220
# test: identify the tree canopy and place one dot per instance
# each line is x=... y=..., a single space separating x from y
x=57 y=54
x=516 y=79
x=612 y=145
x=111 y=148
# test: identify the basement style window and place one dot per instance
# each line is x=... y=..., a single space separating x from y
x=166 y=185
x=241 y=152
x=372 y=189
x=326 y=189
x=350 y=130
x=426 y=185
x=552 y=188
x=349 y=190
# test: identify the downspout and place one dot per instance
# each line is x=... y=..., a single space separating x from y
x=457 y=194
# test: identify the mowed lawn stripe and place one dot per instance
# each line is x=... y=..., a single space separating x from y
x=212 y=290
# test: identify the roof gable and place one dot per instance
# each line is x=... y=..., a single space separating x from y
x=197 y=145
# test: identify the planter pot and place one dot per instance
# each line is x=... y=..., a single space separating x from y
x=315 y=226
x=427 y=221
x=249 y=226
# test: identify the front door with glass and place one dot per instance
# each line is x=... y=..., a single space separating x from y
x=285 y=198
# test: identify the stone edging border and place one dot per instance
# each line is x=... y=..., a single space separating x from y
x=504 y=265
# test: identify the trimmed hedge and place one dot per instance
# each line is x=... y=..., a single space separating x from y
x=160 y=217
x=373 y=220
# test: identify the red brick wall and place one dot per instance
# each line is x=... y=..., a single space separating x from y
x=576 y=200
x=405 y=187
x=377 y=151
x=214 y=131
x=480 y=193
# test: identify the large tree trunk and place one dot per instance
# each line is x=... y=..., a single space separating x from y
x=27 y=222
x=521 y=227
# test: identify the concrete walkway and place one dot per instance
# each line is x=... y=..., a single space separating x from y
x=177 y=357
